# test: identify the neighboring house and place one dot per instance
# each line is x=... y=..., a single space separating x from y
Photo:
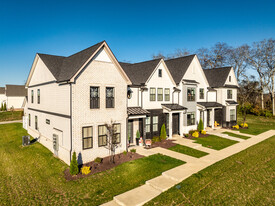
x=70 y=99
x=13 y=96
x=3 y=97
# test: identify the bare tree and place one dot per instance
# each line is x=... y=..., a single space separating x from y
x=158 y=56
x=180 y=53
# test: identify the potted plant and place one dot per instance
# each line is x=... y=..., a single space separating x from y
x=137 y=137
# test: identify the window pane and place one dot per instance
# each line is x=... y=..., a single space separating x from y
x=155 y=119
x=160 y=94
x=155 y=128
x=147 y=128
x=87 y=131
x=117 y=128
x=109 y=92
x=148 y=120
x=87 y=143
x=102 y=130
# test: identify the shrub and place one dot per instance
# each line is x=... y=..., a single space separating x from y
x=163 y=134
x=156 y=139
x=216 y=124
x=203 y=132
x=5 y=107
x=85 y=170
x=244 y=125
x=74 y=165
x=186 y=135
x=236 y=127
x=125 y=152
x=195 y=134
x=2 y=107
x=98 y=160
x=200 y=126
x=192 y=131
x=133 y=150
x=137 y=134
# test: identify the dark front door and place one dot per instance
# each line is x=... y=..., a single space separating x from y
x=176 y=118
x=218 y=116
x=140 y=126
x=130 y=131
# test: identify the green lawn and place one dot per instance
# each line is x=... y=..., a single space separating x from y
x=246 y=178
x=188 y=151
x=215 y=142
x=257 y=124
x=32 y=176
x=236 y=135
x=9 y=116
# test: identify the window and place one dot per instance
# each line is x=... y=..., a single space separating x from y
x=229 y=94
x=117 y=138
x=152 y=94
x=191 y=94
x=48 y=121
x=160 y=73
x=102 y=135
x=94 y=97
x=32 y=96
x=229 y=78
x=201 y=93
x=129 y=93
x=38 y=96
x=167 y=94
x=155 y=123
x=190 y=119
x=36 y=123
x=110 y=97
x=232 y=115
x=160 y=94
x=167 y=122
x=148 y=124
x=87 y=137
x=29 y=120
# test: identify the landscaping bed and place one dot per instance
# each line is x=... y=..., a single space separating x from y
x=164 y=144
x=96 y=167
x=192 y=138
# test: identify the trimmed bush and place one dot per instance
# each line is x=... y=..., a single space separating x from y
x=138 y=134
x=236 y=127
x=5 y=107
x=195 y=134
x=133 y=150
x=203 y=132
x=85 y=170
x=192 y=131
x=200 y=126
x=74 y=165
x=163 y=134
x=2 y=107
x=186 y=135
x=98 y=160
x=244 y=125
x=125 y=152
x=156 y=139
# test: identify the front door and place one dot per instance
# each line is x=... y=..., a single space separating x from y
x=208 y=118
x=176 y=118
x=218 y=116
x=130 y=131
x=140 y=126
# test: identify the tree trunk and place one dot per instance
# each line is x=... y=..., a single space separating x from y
x=262 y=100
x=272 y=94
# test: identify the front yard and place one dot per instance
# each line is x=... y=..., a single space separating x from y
x=32 y=176
x=214 y=142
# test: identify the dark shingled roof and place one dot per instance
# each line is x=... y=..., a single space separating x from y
x=16 y=91
x=232 y=102
x=179 y=66
x=210 y=104
x=136 y=111
x=217 y=77
x=190 y=81
x=139 y=72
x=2 y=90
x=64 y=68
x=174 y=107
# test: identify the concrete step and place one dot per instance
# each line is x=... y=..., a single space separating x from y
x=161 y=183
x=111 y=203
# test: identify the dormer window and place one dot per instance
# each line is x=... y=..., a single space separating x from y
x=160 y=72
x=229 y=78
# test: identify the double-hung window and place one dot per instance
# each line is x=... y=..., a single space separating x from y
x=229 y=94
x=190 y=119
x=232 y=115
x=148 y=124
x=191 y=94
x=94 y=98
x=160 y=73
x=32 y=95
x=167 y=94
x=87 y=137
x=152 y=94
x=38 y=96
x=155 y=123
x=160 y=94
x=110 y=97
x=201 y=93
x=117 y=136
x=102 y=135
x=36 y=123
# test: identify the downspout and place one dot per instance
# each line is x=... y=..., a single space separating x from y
x=71 y=124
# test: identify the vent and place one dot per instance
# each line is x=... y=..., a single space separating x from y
x=26 y=140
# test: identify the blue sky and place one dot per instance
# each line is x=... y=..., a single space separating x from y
x=133 y=29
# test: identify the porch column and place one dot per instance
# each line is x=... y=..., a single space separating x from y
x=181 y=124
x=205 y=119
x=144 y=129
x=170 y=125
x=213 y=118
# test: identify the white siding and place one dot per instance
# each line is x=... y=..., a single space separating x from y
x=15 y=102
x=211 y=96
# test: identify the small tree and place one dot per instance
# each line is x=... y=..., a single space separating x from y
x=2 y=107
x=112 y=139
x=138 y=134
x=163 y=134
x=74 y=165
x=5 y=107
x=200 y=126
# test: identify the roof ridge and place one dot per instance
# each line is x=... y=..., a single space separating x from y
x=181 y=57
x=51 y=55
x=158 y=59
x=87 y=48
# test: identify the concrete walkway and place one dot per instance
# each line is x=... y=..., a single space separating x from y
x=168 y=179
x=14 y=121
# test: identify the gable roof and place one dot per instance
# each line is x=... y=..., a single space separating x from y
x=140 y=72
x=217 y=77
x=64 y=68
x=16 y=90
x=179 y=66
x=2 y=90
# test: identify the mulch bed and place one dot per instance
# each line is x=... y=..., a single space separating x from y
x=164 y=144
x=191 y=137
x=104 y=165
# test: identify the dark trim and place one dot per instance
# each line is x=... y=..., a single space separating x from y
x=98 y=136
x=87 y=137
x=71 y=123
x=51 y=113
x=45 y=83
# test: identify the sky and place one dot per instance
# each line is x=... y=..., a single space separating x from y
x=134 y=30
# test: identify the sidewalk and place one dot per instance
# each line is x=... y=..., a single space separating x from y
x=168 y=179
x=14 y=121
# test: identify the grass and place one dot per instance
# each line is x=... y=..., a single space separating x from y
x=32 y=176
x=214 y=142
x=9 y=116
x=236 y=135
x=246 y=178
x=257 y=124
x=188 y=151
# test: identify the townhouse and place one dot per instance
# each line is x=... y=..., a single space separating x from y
x=70 y=99
x=13 y=96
